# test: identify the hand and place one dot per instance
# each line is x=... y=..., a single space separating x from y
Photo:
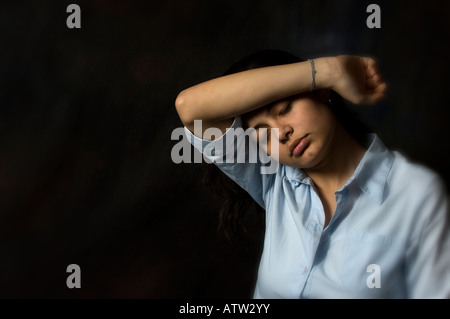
x=358 y=80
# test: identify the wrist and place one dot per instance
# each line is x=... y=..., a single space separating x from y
x=327 y=72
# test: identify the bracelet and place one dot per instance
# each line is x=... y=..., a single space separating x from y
x=313 y=70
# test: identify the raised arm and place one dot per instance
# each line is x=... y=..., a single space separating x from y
x=216 y=102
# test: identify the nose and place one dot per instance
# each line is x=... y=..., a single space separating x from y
x=285 y=131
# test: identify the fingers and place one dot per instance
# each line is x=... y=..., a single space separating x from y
x=375 y=88
x=372 y=71
x=375 y=85
x=376 y=94
x=367 y=82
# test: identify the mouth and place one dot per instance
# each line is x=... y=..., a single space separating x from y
x=298 y=147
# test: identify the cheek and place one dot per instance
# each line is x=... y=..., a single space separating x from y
x=309 y=115
x=324 y=118
x=269 y=149
x=272 y=148
x=279 y=152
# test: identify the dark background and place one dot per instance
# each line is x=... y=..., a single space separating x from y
x=86 y=117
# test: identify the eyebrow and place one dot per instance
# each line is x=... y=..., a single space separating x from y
x=267 y=111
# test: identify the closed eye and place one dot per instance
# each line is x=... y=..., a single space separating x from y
x=286 y=109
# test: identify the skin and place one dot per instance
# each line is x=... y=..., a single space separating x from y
x=216 y=102
x=332 y=154
x=295 y=118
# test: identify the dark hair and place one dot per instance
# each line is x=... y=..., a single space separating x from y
x=236 y=202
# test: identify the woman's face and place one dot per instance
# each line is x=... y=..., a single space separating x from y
x=305 y=129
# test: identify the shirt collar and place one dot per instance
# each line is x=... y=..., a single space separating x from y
x=373 y=169
x=370 y=174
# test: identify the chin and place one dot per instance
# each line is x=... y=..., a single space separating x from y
x=308 y=160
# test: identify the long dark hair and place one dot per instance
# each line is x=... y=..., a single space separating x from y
x=236 y=203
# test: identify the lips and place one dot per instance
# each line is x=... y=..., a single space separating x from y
x=299 y=145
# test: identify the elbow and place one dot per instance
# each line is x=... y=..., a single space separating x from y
x=182 y=107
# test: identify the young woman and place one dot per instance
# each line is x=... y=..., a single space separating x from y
x=345 y=217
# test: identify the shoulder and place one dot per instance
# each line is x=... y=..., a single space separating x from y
x=417 y=200
x=417 y=188
x=410 y=174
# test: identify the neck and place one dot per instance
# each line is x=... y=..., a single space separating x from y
x=339 y=163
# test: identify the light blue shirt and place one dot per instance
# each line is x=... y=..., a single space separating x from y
x=388 y=238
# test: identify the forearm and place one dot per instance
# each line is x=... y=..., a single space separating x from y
x=232 y=95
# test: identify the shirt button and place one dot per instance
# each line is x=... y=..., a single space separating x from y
x=305 y=270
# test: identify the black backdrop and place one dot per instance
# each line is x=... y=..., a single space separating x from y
x=86 y=116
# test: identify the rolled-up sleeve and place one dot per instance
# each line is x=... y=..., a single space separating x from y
x=224 y=152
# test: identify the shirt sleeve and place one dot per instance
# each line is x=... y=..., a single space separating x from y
x=428 y=256
x=234 y=154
